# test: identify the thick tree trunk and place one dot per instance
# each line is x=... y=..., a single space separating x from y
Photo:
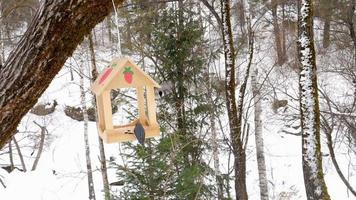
x=309 y=107
x=230 y=87
x=261 y=164
x=56 y=30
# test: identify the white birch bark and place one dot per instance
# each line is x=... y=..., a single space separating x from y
x=214 y=138
x=261 y=164
x=86 y=139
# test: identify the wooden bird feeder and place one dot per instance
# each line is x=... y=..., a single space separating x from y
x=124 y=73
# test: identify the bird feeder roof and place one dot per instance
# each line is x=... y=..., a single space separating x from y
x=122 y=73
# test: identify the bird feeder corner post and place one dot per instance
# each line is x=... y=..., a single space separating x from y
x=151 y=106
x=100 y=113
x=141 y=104
x=107 y=110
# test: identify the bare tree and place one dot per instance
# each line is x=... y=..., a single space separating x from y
x=86 y=139
x=281 y=57
x=11 y=157
x=40 y=147
x=234 y=111
x=309 y=107
x=214 y=138
x=41 y=53
x=20 y=154
x=103 y=168
x=261 y=164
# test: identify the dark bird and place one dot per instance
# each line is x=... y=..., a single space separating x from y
x=139 y=132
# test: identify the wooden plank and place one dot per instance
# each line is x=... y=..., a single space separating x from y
x=151 y=106
x=107 y=110
x=99 y=110
x=97 y=88
x=141 y=104
x=118 y=134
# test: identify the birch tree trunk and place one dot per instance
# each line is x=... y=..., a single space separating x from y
x=215 y=144
x=230 y=87
x=309 y=107
x=261 y=165
x=103 y=168
x=217 y=172
x=86 y=139
x=56 y=30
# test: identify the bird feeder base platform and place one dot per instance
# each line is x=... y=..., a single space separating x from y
x=125 y=133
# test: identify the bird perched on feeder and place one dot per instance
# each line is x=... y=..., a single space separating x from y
x=139 y=132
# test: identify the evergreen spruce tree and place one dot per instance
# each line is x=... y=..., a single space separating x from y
x=172 y=166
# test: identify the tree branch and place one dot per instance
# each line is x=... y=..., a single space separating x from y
x=56 y=30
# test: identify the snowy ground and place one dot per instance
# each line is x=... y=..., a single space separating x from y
x=61 y=174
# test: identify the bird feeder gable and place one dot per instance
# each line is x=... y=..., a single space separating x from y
x=122 y=73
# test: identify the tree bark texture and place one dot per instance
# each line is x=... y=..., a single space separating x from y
x=261 y=164
x=230 y=87
x=326 y=12
x=309 y=107
x=277 y=34
x=56 y=30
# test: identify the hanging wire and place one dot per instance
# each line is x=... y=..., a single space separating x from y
x=119 y=55
x=117 y=30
